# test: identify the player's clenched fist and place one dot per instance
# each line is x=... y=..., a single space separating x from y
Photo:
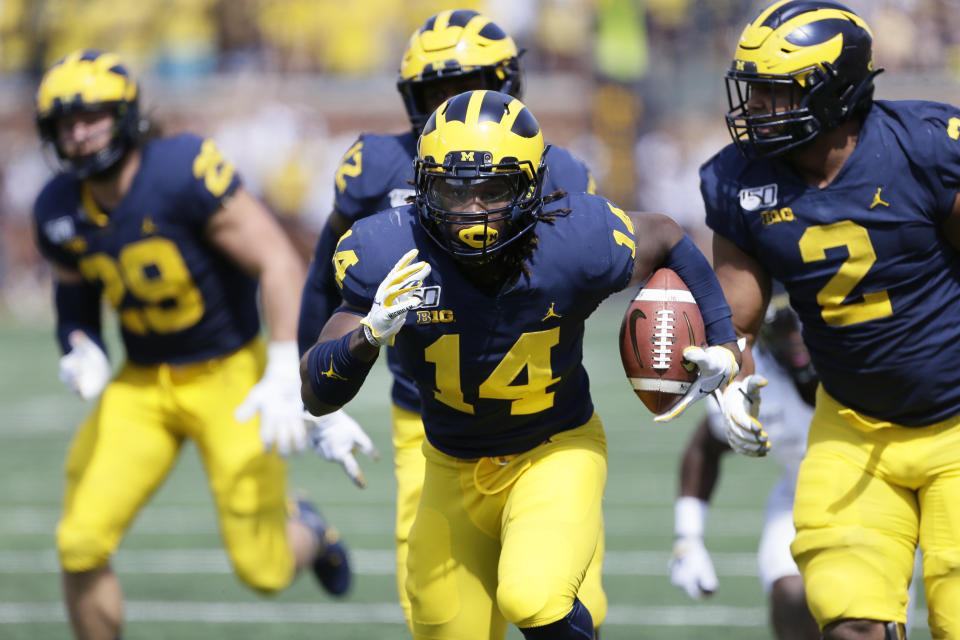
x=717 y=365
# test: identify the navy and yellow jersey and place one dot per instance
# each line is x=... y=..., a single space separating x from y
x=376 y=174
x=872 y=278
x=497 y=375
x=177 y=298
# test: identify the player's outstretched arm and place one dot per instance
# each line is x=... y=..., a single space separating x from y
x=246 y=232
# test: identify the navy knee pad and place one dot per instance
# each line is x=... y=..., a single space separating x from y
x=576 y=625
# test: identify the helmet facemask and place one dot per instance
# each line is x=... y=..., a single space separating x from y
x=786 y=125
x=504 y=77
x=802 y=105
x=124 y=134
x=449 y=194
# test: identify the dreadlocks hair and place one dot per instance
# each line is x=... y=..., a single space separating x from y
x=518 y=259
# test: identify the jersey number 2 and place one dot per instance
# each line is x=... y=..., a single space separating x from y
x=860 y=257
x=531 y=351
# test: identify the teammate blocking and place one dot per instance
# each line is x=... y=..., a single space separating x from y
x=852 y=203
x=163 y=229
x=483 y=286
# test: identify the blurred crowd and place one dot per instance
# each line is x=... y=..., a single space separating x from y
x=286 y=85
x=197 y=37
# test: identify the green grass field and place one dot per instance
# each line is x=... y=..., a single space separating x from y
x=176 y=577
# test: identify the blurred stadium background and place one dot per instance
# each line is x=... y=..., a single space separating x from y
x=634 y=87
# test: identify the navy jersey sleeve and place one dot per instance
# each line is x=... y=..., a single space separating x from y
x=938 y=150
x=54 y=221
x=606 y=236
x=367 y=252
x=566 y=172
x=718 y=187
x=201 y=176
x=320 y=294
x=368 y=171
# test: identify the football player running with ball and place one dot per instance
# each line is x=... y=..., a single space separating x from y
x=454 y=51
x=852 y=203
x=483 y=286
x=163 y=229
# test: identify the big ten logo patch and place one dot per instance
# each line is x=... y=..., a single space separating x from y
x=428 y=313
x=773 y=216
x=433 y=316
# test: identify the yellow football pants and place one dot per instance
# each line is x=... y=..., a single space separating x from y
x=505 y=539
x=128 y=444
x=866 y=493
x=409 y=463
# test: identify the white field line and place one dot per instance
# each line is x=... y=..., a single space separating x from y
x=366 y=562
x=365 y=613
x=692 y=615
x=619 y=519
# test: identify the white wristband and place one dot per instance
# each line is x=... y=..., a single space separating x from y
x=690 y=516
x=371 y=339
x=283 y=355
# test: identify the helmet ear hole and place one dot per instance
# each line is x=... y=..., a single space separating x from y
x=814 y=79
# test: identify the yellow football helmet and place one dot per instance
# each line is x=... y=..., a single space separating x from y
x=460 y=47
x=479 y=150
x=818 y=53
x=83 y=81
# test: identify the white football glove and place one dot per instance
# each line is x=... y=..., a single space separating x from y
x=691 y=568
x=717 y=365
x=85 y=368
x=277 y=399
x=394 y=298
x=740 y=403
x=336 y=436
